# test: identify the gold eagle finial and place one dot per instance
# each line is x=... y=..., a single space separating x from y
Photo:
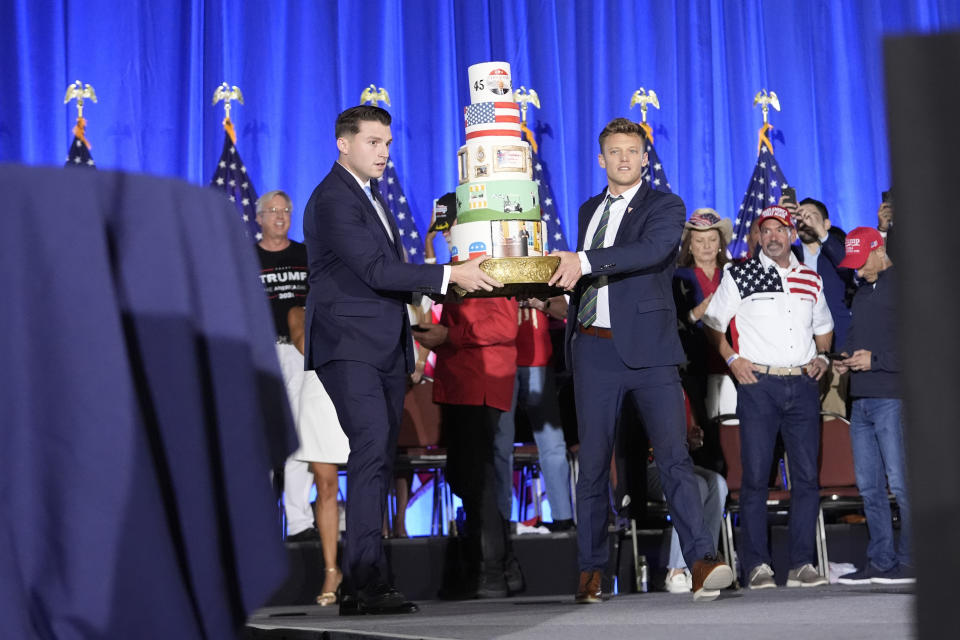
x=373 y=95
x=766 y=101
x=227 y=93
x=644 y=98
x=525 y=97
x=79 y=91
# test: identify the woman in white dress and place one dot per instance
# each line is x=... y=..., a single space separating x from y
x=324 y=445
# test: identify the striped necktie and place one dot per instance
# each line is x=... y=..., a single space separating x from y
x=588 y=301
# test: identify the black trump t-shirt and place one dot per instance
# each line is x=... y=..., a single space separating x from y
x=284 y=277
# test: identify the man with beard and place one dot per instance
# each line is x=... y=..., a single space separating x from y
x=782 y=321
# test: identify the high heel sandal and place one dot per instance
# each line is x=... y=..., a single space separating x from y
x=328 y=598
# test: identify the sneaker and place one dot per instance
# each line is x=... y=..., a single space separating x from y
x=805 y=576
x=679 y=582
x=858 y=577
x=761 y=577
x=900 y=574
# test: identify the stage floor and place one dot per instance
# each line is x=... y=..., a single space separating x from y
x=836 y=611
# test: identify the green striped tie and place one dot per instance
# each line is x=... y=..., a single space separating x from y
x=588 y=301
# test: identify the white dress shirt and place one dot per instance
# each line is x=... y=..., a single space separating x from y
x=775 y=328
x=386 y=225
x=617 y=209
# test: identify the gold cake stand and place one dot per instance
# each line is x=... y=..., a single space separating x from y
x=521 y=277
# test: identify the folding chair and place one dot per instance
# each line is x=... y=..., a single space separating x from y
x=836 y=476
x=418 y=449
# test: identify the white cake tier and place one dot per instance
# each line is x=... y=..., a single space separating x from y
x=498 y=158
x=496 y=239
x=490 y=81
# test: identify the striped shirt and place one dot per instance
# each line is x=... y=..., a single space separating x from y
x=778 y=310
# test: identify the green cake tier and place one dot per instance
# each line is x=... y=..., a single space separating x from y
x=498 y=200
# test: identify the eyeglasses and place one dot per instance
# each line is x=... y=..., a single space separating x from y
x=277 y=211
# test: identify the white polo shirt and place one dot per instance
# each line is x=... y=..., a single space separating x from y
x=778 y=310
x=617 y=210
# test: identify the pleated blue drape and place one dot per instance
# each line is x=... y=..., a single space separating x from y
x=154 y=66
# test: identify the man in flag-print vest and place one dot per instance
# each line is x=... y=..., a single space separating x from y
x=784 y=329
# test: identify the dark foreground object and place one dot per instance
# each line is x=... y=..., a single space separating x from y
x=141 y=401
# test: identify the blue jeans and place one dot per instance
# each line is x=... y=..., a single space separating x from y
x=876 y=432
x=534 y=389
x=713 y=493
x=790 y=405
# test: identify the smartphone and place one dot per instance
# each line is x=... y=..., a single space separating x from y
x=886 y=196
x=833 y=355
x=789 y=195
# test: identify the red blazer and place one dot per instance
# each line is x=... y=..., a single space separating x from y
x=478 y=362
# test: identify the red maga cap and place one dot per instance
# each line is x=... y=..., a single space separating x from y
x=859 y=243
x=777 y=213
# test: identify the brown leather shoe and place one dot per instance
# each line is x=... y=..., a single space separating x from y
x=710 y=575
x=589 y=591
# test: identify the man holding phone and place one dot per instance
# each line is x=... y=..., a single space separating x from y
x=876 y=423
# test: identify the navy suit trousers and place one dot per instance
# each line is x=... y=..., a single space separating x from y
x=369 y=405
x=601 y=381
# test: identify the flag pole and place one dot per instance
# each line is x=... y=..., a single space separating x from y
x=766 y=101
x=645 y=99
x=227 y=93
x=78 y=91
x=526 y=98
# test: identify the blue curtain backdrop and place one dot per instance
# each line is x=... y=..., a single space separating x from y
x=154 y=66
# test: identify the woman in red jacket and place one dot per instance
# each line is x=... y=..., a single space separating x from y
x=473 y=383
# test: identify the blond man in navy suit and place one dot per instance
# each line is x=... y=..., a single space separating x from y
x=621 y=340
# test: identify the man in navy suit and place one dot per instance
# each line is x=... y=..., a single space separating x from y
x=358 y=336
x=621 y=340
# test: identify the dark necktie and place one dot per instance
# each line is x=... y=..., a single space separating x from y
x=588 y=301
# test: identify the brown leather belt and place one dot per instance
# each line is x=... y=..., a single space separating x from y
x=780 y=371
x=598 y=332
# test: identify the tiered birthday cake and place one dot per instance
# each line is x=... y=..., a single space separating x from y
x=498 y=208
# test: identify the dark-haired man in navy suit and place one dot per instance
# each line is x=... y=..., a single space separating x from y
x=621 y=340
x=358 y=337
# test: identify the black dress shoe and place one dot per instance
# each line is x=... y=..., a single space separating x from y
x=559 y=526
x=379 y=599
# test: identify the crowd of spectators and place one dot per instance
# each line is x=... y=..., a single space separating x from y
x=809 y=303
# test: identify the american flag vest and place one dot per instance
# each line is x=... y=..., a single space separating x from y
x=751 y=278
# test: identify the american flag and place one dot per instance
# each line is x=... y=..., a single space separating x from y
x=492 y=119
x=763 y=191
x=392 y=192
x=750 y=278
x=655 y=175
x=552 y=231
x=231 y=177
x=78 y=155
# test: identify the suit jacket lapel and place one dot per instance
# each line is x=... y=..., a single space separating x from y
x=586 y=213
x=630 y=214
x=358 y=191
x=397 y=245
